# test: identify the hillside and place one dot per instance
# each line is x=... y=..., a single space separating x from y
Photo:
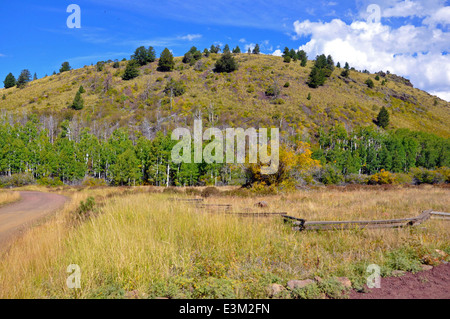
x=235 y=99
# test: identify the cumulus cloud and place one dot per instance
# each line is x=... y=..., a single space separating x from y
x=418 y=52
x=277 y=53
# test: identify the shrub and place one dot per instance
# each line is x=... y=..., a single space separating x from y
x=329 y=175
x=86 y=208
x=91 y=181
x=369 y=83
x=226 y=63
x=50 y=181
x=382 y=178
x=360 y=179
x=210 y=191
x=286 y=85
x=174 y=88
x=17 y=180
x=424 y=176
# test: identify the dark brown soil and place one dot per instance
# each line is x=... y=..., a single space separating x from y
x=427 y=284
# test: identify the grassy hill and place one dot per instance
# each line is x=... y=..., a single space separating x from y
x=235 y=99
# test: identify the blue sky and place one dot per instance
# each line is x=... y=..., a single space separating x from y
x=34 y=34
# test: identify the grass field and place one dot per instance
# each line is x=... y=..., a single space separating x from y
x=142 y=240
x=7 y=197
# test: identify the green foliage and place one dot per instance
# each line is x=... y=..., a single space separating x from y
x=329 y=175
x=23 y=79
x=226 y=63
x=174 y=88
x=215 y=49
x=65 y=66
x=237 y=49
x=78 y=102
x=143 y=56
x=383 y=118
x=100 y=66
x=86 y=207
x=309 y=97
x=17 y=180
x=166 y=62
x=81 y=89
x=50 y=181
x=302 y=57
x=369 y=83
x=131 y=70
x=10 y=81
x=256 y=49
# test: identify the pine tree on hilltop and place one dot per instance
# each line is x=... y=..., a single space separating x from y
x=166 y=62
x=383 y=118
x=226 y=49
x=65 y=67
x=151 y=55
x=24 y=78
x=78 y=102
x=140 y=55
x=131 y=70
x=256 y=49
x=10 y=81
x=237 y=49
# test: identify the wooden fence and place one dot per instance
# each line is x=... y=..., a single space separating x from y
x=302 y=224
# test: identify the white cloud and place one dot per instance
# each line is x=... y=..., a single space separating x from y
x=416 y=52
x=191 y=37
x=277 y=53
x=242 y=40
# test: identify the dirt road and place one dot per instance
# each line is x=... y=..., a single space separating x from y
x=16 y=217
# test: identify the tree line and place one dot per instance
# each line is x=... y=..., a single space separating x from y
x=125 y=159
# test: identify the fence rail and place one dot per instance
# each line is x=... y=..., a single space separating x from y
x=302 y=224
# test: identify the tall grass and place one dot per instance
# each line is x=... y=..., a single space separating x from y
x=7 y=197
x=163 y=248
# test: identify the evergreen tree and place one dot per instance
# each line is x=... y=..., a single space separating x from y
x=237 y=49
x=249 y=51
x=316 y=77
x=214 y=48
x=131 y=70
x=226 y=63
x=140 y=55
x=302 y=57
x=383 y=118
x=338 y=65
x=24 y=78
x=256 y=49
x=78 y=102
x=35 y=76
x=226 y=49
x=10 y=81
x=151 y=55
x=81 y=89
x=347 y=67
x=206 y=52
x=65 y=67
x=166 y=62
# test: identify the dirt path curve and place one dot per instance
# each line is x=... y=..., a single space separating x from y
x=32 y=206
x=428 y=284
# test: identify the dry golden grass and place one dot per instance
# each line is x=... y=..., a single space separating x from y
x=7 y=197
x=161 y=247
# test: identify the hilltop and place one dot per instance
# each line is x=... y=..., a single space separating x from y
x=228 y=99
